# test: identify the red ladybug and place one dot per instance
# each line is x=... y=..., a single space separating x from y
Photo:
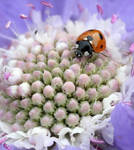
x=89 y=42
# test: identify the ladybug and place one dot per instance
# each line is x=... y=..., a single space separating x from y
x=89 y=42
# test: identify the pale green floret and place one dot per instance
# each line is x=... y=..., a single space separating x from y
x=47 y=77
x=48 y=107
x=47 y=121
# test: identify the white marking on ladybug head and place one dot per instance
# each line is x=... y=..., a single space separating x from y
x=78 y=54
x=86 y=53
x=85 y=39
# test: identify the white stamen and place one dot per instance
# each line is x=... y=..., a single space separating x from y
x=8 y=38
x=8 y=26
x=28 y=27
x=47 y=12
x=37 y=20
x=14 y=32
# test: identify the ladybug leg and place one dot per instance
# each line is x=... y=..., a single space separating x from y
x=104 y=54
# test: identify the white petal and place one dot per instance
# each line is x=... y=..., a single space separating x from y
x=63 y=143
x=63 y=132
x=23 y=144
x=61 y=46
x=122 y=73
x=17 y=135
x=38 y=130
x=112 y=99
x=4 y=127
x=76 y=130
x=37 y=19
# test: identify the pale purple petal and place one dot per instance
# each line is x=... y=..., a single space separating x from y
x=122 y=117
x=72 y=148
x=12 y=148
x=128 y=90
x=123 y=123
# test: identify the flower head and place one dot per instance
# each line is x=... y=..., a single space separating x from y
x=48 y=87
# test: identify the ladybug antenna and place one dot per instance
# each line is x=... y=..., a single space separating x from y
x=104 y=54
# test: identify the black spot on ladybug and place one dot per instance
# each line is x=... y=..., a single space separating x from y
x=89 y=38
x=101 y=37
x=101 y=46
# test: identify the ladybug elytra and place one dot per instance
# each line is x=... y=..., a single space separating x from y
x=89 y=42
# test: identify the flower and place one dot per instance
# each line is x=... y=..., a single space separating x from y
x=49 y=93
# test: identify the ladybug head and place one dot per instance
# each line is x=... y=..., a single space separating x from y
x=83 y=47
